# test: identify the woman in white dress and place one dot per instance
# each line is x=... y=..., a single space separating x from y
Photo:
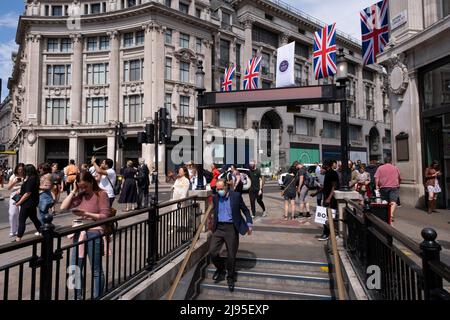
x=15 y=183
x=180 y=188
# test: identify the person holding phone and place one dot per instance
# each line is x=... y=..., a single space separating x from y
x=432 y=185
x=89 y=202
x=15 y=183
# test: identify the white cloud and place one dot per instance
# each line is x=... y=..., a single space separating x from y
x=344 y=12
x=9 y=20
x=6 y=63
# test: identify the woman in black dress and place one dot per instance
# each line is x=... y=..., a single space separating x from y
x=29 y=200
x=129 y=189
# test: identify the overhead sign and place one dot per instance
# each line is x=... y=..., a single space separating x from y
x=271 y=97
x=399 y=20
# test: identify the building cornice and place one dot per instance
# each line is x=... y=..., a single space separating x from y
x=431 y=34
x=304 y=19
x=149 y=10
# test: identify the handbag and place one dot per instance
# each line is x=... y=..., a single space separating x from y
x=116 y=188
x=17 y=197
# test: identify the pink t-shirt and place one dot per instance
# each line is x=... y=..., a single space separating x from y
x=97 y=203
x=388 y=175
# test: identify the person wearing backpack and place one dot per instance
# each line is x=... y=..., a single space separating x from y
x=108 y=178
x=305 y=182
x=70 y=175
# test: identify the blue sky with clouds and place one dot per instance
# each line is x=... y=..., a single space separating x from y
x=344 y=12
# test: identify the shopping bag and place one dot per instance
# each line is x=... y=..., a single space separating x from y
x=321 y=215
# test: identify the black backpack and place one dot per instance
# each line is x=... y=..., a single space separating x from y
x=310 y=181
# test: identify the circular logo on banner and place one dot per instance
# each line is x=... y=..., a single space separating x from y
x=284 y=65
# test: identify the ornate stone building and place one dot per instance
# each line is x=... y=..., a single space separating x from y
x=83 y=66
x=418 y=63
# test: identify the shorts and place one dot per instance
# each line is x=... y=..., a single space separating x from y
x=289 y=196
x=303 y=194
x=389 y=194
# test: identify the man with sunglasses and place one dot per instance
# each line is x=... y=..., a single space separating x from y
x=228 y=223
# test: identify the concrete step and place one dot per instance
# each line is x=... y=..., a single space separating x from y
x=246 y=278
x=267 y=264
x=220 y=291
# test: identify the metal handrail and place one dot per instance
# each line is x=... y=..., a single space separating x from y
x=387 y=229
x=172 y=202
x=441 y=269
x=188 y=255
x=339 y=279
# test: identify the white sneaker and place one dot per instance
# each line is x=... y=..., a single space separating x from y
x=264 y=214
x=37 y=234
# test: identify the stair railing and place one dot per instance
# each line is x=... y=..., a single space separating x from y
x=337 y=263
x=188 y=255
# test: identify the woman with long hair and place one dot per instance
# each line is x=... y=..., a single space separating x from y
x=57 y=185
x=129 y=188
x=29 y=200
x=90 y=203
x=432 y=185
x=15 y=183
x=45 y=190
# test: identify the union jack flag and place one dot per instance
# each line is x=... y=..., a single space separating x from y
x=325 y=52
x=252 y=74
x=375 y=30
x=227 y=84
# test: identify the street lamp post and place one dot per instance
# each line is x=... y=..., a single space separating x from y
x=342 y=79
x=200 y=88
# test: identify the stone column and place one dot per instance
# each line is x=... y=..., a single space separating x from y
x=73 y=147
x=248 y=45
x=114 y=76
x=33 y=110
x=148 y=67
x=192 y=8
x=207 y=65
x=77 y=79
x=110 y=142
x=360 y=93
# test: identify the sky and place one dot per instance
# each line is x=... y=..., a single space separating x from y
x=344 y=12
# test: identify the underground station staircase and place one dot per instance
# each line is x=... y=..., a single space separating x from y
x=272 y=279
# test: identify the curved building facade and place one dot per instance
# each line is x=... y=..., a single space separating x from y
x=83 y=66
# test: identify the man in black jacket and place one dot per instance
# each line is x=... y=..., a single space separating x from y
x=228 y=224
x=143 y=183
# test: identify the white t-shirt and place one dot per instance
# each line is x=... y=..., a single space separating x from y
x=105 y=185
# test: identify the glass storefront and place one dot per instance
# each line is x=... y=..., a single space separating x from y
x=435 y=114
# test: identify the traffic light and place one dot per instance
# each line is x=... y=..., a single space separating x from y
x=165 y=126
x=142 y=138
x=150 y=132
x=120 y=135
